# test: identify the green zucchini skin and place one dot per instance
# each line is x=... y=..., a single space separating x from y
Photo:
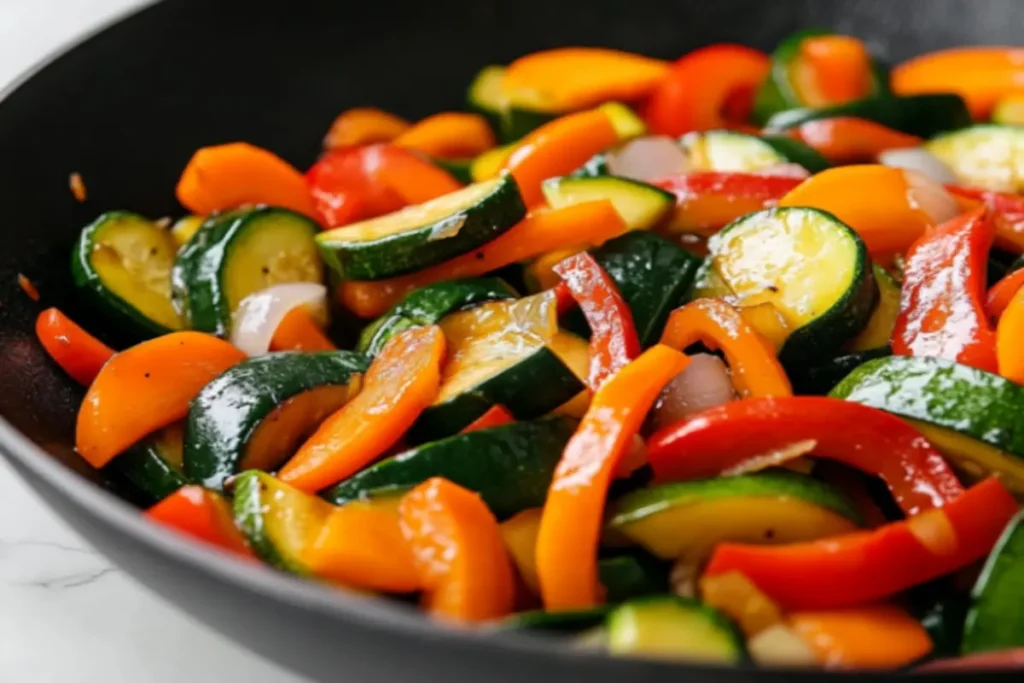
x=100 y=298
x=921 y=115
x=820 y=379
x=227 y=412
x=628 y=577
x=797 y=152
x=459 y=168
x=509 y=466
x=995 y=620
x=427 y=305
x=653 y=276
x=148 y=469
x=713 y=637
x=258 y=501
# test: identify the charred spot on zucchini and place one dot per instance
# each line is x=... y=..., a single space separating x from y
x=731 y=151
x=153 y=467
x=667 y=627
x=237 y=253
x=641 y=206
x=921 y=115
x=122 y=262
x=509 y=466
x=808 y=264
x=995 y=620
x=988 y=156
x=256 y=414
x=418 y=236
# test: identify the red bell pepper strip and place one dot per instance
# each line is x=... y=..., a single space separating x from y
x=563 y=299
x=1007 y=212
x=872 y=565
x=201 y=514
x=850 y=140
x=942 y=311
x=76 y=351
x=614 y=341
x=495 y=416
x=707 y=201
x=709 y=88
x=1001 y=293
x=865 y=438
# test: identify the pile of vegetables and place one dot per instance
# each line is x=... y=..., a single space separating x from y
x=716 y=360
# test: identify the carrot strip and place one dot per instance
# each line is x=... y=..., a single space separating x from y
x=1002 y=292
x=495 y=416
x=870 y=637
x=76 y=351
x=299 y=332
x=571 y=522
x=981 y=75
x=1009 y=332
x=231 y=175
x=458 y=551
x=755 y=369
x=364 y=126
x=201 y=514
x=145 y=388
x=589 y=223
x=401 y=382
x=449 y=135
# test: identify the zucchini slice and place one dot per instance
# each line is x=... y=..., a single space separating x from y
x=237 y=253
x=726 y=150
x=807 y=263
x=498 y=353
x=427 y=305
x=509 y=466
x=995 y=620
x=877 y=333
x=256 y=414
x=512 y=122
x=642 y=206
x=922 y=115
x=667 y=627
x=153 y=467
x=972 y=416
x=184 y=228
x=986 y=156
x=686 y=520
x=419 y=236
x=123 y=263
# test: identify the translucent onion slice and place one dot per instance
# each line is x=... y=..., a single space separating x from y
x=930 y=196
x=260 y=313
x=705 y=383
x=648 y=158
x=920 y=160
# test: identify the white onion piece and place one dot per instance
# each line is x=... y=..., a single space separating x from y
x=931 y=197
x=779 y=645
x=260 y=313
x=773 y=458
x=784 y=171
x=648 y=158
x=920 y=160
x=705 y=383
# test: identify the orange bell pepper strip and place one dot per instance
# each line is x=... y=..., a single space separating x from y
x=361 y=545
x=888 y=224
x=869 y=637
x=867 y=566
x=589 y=223
x=572 y=78
x=458 y=551
x=832 y=69
x=401 y=382
x=495 y=416
x=364 y=126
x=942 y=307
x=203 y=515
x=981 y=75
x=297 y=331
x=1002 y=292
x=707 y=201
x=755 y=369
x=1006 y=210
x=709 y=88
x=145 y=388
x=1009 y=333
x=228 y=176
x=449 y=135
x=557 y=148
x=850 y=140
x=77 y=352
x=571 y=522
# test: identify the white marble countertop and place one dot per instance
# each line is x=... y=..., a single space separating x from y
x=67 y=615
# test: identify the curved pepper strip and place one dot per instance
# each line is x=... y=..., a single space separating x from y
x=613 y=341
x=873 y=565
x=851 y=140
x=77 y=352
x=1007 y=212
x=1001 y=293
x=571 y=522
x=755 y=369
x=707 y=201
x=942 y=311
x=865 y=438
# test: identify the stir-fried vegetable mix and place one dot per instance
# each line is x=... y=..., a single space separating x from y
x=715 y=360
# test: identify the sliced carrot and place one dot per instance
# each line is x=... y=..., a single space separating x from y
x=570 y=78
x=1002 y=292
x=1009 y=333
x=558 y=148
x=589 y=223
x=77 y=352
x=832 y=69
x=299 y=332
x=363 y=126
x=571 y=522
x=850 y=140
x=414 y=179
x=401 y=382
x=871 y=637
x=361 y=545
x=228 y=176
x=145 y=388
x=449 y=135
x=201 y=514
x=755 y=369
x=495 y=416
x=981 y=75
x=458 y=551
